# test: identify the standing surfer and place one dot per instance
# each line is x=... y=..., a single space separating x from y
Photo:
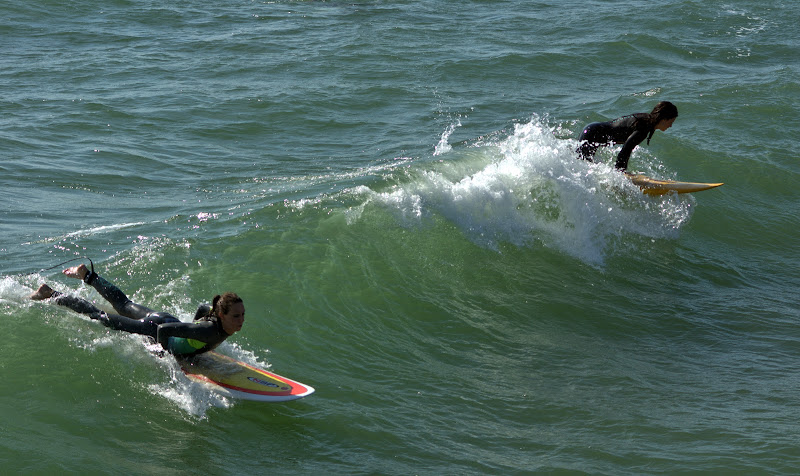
x=210 y=327
x=628 y=130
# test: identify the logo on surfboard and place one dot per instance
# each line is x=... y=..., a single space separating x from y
x=264 y=382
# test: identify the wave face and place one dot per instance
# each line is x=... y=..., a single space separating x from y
x=393 y=190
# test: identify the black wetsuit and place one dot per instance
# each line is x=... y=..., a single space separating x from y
x=179 y=338
x=628 y=130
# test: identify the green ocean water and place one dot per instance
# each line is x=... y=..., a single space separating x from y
x=393 y=190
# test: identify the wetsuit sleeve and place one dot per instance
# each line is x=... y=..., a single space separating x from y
x=207 y=332
x=624 y=155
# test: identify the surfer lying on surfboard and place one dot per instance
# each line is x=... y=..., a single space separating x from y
x=211 y=326
x=628 y=130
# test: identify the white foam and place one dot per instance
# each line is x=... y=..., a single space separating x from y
x=193 y=397
x=12 y=290
x=529 y=189
x=102 y=229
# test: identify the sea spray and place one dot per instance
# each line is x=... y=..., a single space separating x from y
x=529 y=189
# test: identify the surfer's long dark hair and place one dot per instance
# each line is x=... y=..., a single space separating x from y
x=223 y=303
x=664 y=110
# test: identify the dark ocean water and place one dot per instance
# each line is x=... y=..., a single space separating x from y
x=393 y=190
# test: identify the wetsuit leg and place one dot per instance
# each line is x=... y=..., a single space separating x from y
x=586 y=150
x=77 y=304
x=119 y=300
x=147 y=326
x=593 y=137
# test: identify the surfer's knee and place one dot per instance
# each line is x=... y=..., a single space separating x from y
x=102 y=317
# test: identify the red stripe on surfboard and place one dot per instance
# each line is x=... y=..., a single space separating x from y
x=294 y=390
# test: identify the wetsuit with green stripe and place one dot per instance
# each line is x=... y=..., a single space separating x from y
x=180 y=338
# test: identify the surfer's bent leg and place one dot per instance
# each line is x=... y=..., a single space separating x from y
x=593 y=136
x=586 y=151
x=117 y=298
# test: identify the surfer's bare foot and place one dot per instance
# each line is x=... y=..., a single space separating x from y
x=44 y=292
x=77 y=272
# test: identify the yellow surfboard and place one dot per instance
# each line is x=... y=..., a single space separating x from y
x=651 y=186
x=241 y=380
